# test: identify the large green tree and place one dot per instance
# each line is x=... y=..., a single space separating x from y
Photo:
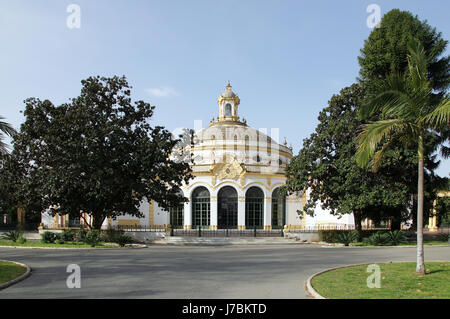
x=97 y=154
x=385 y=52
x=326 y=166
x=405 y=103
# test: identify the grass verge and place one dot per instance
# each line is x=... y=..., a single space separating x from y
x=411 y=243
x=10 y=271
x=55 y=245
x=397 y=281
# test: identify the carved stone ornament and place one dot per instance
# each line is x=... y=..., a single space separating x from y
x=232 y=170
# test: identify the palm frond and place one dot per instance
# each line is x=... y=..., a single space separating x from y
x=4 y=148
x=440 y=116
x=7 y=128
x=417 y=64
x=394 y=100
x=372 y=135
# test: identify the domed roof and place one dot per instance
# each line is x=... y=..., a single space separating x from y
x=229 y=140
x=226 y=142
x=228 y=92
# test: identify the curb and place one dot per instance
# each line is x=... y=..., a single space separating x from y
x=75 y=248
x=18 y=279
x=398 y=246
x=314 y=294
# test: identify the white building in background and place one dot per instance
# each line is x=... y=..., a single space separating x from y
x=238 y=172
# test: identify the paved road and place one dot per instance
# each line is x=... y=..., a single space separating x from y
x=269 y=271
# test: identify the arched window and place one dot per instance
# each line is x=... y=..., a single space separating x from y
x=200 y=207
x=227 y=214
x=254 y=208
x=278 y=209
x=228 y=109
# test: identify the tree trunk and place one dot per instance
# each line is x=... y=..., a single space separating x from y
x=396 y=219
x=357 y=215
x=97 y=222
x=420 y=268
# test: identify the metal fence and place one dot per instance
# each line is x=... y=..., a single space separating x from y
x=311 y=229
x=139 y=228
x=227 y=232
x=202 y=232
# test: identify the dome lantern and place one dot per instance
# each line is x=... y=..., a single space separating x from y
x=228 y=103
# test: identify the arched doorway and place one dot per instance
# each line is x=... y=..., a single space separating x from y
x=278 y=209
x=177 y=216
x=254 y=208
x=227 y=213
x=201 y=207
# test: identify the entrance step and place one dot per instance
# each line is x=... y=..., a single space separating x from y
x=222 y=241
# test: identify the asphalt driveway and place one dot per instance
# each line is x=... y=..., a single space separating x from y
x=254 y=272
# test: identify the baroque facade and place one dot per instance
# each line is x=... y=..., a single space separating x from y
x=238 y=173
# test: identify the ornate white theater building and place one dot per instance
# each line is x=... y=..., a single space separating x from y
x=238 y=173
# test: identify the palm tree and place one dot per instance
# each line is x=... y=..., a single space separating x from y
x=407 y=112
x=5 y=128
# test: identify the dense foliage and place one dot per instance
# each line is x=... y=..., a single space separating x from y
x=326 y=166
x=97 y=154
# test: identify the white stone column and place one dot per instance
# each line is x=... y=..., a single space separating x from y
x=268 y=213
x=213 y=211
x=241 y=212
x=187 y=215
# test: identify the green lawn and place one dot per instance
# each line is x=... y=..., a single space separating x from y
x=411 y=243
x=30 y=243
x=398 y=281
x=10 y=271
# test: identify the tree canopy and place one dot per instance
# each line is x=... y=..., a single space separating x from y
x=385 y=51
x=326 y=165
x=97 y=154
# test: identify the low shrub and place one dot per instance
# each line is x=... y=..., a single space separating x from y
x=22 y=240
x=80 y=235
x=122 y=240
x=68 y=235
x=93 y=237
x=330 y=235
x=13 y=235
x=443 y=237
x=346 y=237
x=48 y=237
x=379 y=238
x=395 y=237
x=110 y=235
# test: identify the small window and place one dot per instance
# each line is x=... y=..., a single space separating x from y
x=228 y=109
x=198 y=158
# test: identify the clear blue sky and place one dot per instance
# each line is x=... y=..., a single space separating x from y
x=285 y=59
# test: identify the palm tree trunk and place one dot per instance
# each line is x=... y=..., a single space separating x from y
x=420 y=267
